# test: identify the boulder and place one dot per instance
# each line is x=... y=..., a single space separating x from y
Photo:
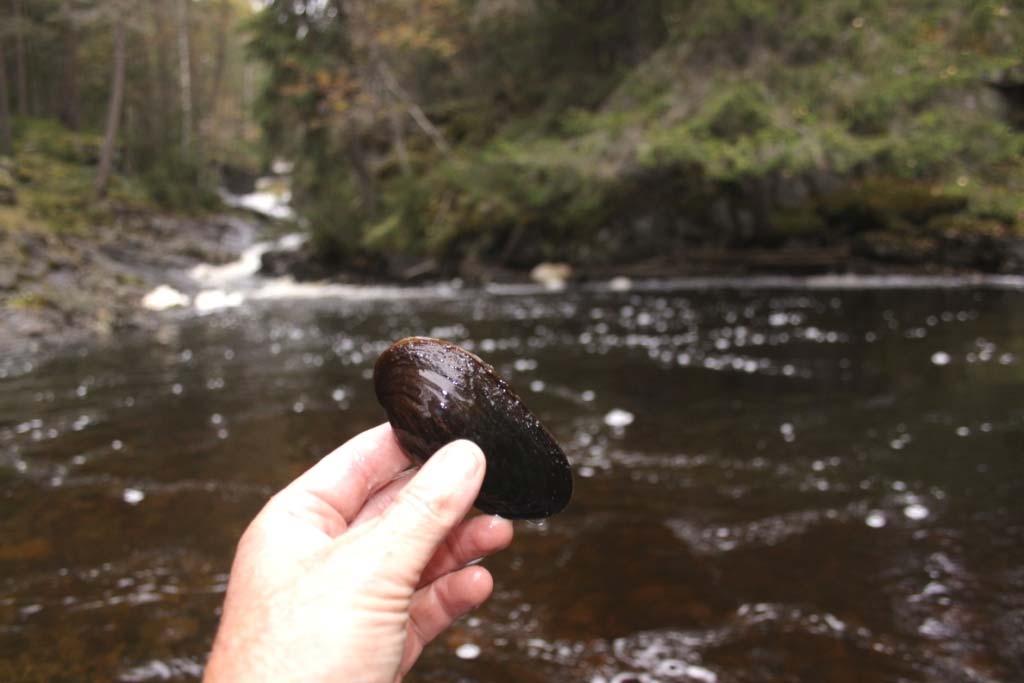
x=553 y=276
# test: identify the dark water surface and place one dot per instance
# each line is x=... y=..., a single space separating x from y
x=771 y=485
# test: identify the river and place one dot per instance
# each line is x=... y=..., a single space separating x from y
x=773 y=483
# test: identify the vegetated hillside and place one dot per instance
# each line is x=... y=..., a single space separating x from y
x=97 y=94
x=514 y=131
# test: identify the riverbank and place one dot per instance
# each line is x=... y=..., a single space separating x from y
x=944 y=252
x=893 y=130
x=57 y=288
x=75 y=265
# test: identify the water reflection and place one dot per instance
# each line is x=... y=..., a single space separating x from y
x=774 y=484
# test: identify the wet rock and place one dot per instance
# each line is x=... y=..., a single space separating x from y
x=420 y=271
x=895 y=247
x=8 y=278
x=1014 y=261
x=300 y=264
x=553 y=276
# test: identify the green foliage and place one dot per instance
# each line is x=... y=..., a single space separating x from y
x=173 y=132
x=47 y=138
x=736 y=114
x=54 y=170
x=565 y=121
x=179 y=183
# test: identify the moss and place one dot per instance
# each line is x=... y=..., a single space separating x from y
x=887 y=204
x=736 y=113
x=802 y=223
x=28 y=301
x=49 y=139
x=177 y=183
x=961 y=225
x=898 y=248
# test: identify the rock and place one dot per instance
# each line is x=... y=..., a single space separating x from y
x=300 y=264
x=237 y=180
x=8 y=277
x=620 y=283
x=420 y=271
x=553 y=276
x=898 y=247
x=1014 y=262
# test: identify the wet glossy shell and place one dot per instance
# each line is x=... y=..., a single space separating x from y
x=435 y=392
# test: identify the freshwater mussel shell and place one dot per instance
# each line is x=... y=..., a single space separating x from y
x=435 y=392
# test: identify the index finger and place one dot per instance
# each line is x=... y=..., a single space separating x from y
x=350 y=474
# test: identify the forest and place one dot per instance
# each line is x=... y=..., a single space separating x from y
x=510 y=132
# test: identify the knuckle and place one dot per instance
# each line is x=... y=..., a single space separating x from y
x=435 y=510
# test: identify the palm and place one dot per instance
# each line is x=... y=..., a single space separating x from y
x=327 y=546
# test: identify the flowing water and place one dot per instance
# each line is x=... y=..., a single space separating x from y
x=773 y=483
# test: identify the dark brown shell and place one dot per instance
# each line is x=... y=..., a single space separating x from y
x=435 y=392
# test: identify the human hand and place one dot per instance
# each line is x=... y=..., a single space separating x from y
x=347 y=573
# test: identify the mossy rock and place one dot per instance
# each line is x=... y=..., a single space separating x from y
x=28 y=301
x=802 y=224
x=882 y=204
x=898 y=247
x=966 y=225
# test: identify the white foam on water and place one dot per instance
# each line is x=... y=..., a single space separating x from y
x=875 y=519
x=231 y=284
x=211 y=300
x=916 y=511
x=270 y=204
x=133 y=496
x=287 y=288
x=247 y=265
x=467 y=651
x=156 y=670
x=618 y=418
x=815 y=282
x=164 y=297
x=699 y=673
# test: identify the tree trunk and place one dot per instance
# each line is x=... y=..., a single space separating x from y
x=398 y=140
x=357 y=157
x=6 y=144
x=70 y=109
x=19 y=59
x=113 y=111
x=160 y=80
x=209 y=102
x=185 y=76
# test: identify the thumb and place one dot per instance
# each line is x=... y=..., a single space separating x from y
x=432 y=504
